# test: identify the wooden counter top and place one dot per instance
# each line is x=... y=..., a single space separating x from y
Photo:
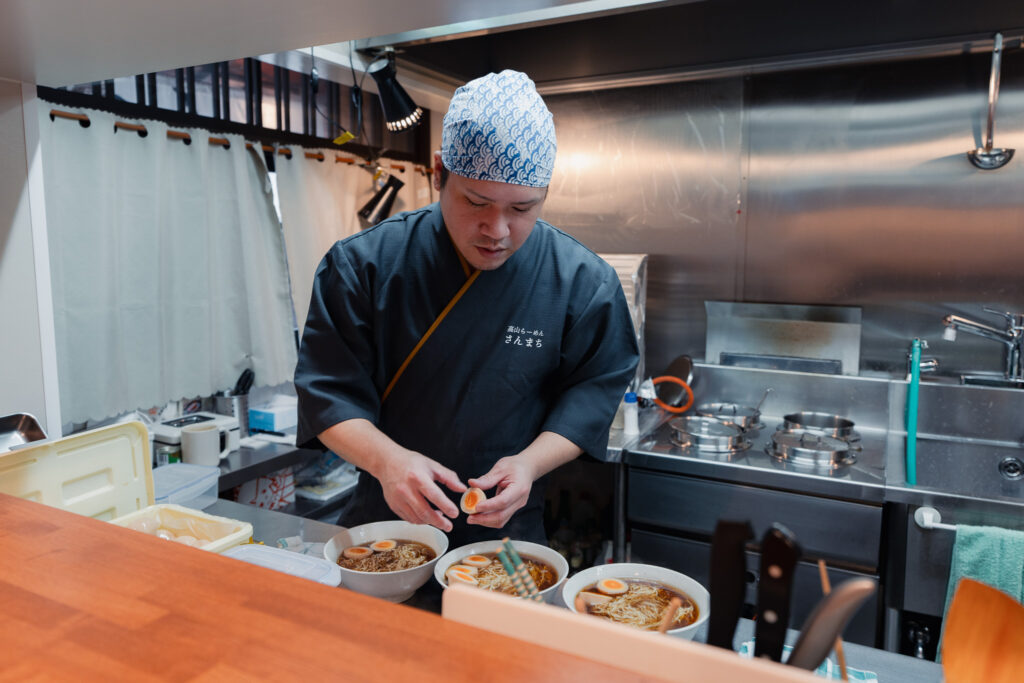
x=86 y=600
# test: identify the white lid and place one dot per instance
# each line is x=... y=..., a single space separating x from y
x=102 y=473
x=279 y=559
x=182 y=481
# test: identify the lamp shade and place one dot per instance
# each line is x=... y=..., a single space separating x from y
x=379 y=206
x=400 y=112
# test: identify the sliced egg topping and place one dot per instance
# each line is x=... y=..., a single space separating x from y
x=476 y=561
x=464 y=568
x=590 y=598
x=470 y=499
x=381 y=546
x=462 y=577
x=612 y=586
x=356 y=552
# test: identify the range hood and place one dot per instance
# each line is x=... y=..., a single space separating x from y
x=638 y=43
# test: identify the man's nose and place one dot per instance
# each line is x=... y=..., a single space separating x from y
x=495 y=225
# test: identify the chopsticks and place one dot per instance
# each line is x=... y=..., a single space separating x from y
x=826 y=588
x=517 y=571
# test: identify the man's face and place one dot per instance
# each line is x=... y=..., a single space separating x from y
x=488 y=221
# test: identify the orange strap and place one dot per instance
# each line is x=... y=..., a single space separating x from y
x=430 y=331
x=674 y=380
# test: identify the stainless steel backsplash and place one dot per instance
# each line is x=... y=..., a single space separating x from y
x=845 y=186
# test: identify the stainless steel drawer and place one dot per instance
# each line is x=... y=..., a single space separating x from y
x=833 y=529
x=693 y=559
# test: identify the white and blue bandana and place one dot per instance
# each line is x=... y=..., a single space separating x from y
x=498 y=128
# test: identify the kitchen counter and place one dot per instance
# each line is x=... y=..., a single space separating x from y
x=86 y=600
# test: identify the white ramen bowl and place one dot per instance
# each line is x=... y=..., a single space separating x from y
x=392 y=586
x=533 y=551
x=643 y=572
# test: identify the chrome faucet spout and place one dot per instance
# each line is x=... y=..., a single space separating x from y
x=980 y=329
x=1012 y=337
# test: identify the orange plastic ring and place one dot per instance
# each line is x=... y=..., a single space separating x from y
x=674 y=380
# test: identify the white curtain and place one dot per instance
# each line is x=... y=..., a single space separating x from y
x=167 y=261
x=319 y=201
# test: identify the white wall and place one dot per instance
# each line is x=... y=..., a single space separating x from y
x=27 y=356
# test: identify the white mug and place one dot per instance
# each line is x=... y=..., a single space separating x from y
x=200 y=444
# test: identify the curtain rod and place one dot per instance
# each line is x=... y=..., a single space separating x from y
x=83 y=119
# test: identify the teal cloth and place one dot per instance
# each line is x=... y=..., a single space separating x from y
x=992 y=555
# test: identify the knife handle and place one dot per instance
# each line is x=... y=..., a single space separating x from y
x=728 y=580
x=779 y=555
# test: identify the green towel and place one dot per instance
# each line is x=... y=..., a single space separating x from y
x=992 y=555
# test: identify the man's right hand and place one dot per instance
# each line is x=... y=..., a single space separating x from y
x=409 y=479
x=410 y=482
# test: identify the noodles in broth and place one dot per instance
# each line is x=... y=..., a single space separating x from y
x=493 y=577
x=643 y=605
x=405 y=555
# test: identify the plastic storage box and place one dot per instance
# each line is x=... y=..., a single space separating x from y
x=105 y=473
x=210 y=532
x=193 y=486
x=279 y=559
x=273 y=418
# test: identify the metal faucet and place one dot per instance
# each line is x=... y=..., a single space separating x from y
x=1012 y=336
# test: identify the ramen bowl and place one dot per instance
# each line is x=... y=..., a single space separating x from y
x=526 y=550
x=625 y=571
x=396 y=586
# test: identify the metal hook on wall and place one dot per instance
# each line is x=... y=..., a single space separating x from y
x=986 y=158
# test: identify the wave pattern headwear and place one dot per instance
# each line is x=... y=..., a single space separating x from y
x=498 y=128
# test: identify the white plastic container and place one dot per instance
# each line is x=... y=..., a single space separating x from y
x=193 y=486
x=281 y=560
x=213 y=533
x=106 y=473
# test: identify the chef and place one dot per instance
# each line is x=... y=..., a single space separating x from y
x=467 y=342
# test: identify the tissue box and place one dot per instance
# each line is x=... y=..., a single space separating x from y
x=273 y=418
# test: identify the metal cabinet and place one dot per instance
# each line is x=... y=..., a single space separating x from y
x=693 y=559
x=836 y=530
x=670 y=519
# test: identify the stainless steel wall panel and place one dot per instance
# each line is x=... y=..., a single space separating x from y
x=657 y=170
x=845 y=186
x=860 y=190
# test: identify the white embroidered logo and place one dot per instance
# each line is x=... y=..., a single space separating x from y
x=521 y=336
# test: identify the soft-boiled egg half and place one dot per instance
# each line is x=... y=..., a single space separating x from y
x=476 y=560
x=381 y=546
x=464 y=568
x=612 y=586
x=470 y=499
x=461 y=577
x=356 y=552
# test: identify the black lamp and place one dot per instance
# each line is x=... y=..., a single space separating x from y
x=400 y=112
x=379 y=206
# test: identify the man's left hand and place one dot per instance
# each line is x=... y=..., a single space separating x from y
x=512 y=478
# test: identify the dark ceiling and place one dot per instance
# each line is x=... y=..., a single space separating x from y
x=697 y=35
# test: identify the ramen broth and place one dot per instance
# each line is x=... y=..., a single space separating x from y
x=643 y=605
x=405 y=555
x=494 y=577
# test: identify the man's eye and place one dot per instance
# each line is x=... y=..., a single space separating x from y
x=472 y=203
x=519 y=210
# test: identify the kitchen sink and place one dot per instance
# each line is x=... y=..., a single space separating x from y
x=992 y=381
x=982 y=470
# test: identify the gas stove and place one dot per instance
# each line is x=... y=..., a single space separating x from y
x=773 y=447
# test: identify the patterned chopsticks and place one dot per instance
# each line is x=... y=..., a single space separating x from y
x=517 y=572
